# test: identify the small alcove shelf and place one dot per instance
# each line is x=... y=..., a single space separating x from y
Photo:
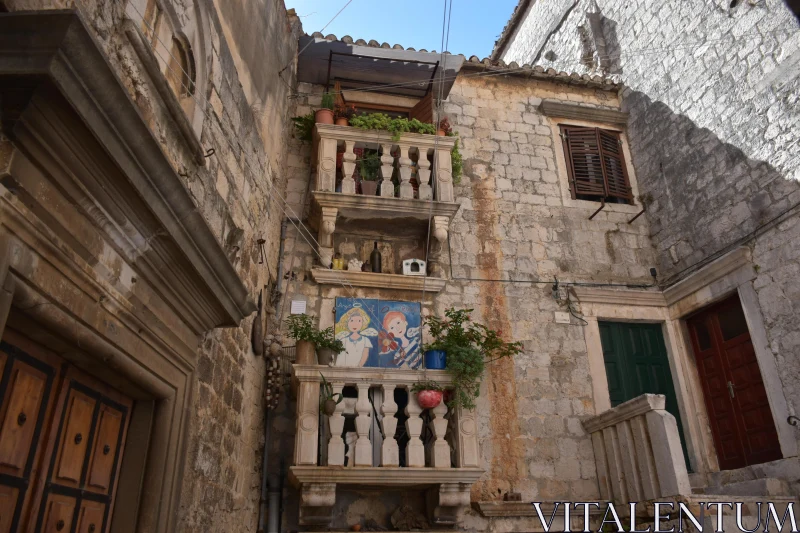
x=327 y=276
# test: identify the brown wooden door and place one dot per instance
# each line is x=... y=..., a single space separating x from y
x=738 y=409
x=61 y=439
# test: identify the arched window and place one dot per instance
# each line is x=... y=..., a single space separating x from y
x=181 y=69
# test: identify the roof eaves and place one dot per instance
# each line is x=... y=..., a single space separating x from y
x=516 y=17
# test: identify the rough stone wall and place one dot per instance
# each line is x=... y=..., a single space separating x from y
x=222 y=470
x=713 y=94
x=514 y=224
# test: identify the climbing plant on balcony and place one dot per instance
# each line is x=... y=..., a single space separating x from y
x=395 y=126
x=469 y=346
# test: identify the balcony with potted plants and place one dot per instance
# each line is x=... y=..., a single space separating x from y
x=395 y=427
x=373 y=169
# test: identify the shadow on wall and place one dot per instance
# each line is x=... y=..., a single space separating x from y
x=707 y=194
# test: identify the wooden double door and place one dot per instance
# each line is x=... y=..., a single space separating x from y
x=736 y=399
x=62 y=434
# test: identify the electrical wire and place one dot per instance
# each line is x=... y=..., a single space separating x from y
x=501 y=71
x=309 y=44
x=445 y=42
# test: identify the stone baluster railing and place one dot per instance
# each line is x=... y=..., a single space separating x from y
x=638 y=452
x=465 y=441
x=432 y=153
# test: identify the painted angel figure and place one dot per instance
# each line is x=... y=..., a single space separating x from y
x=399 y=344
x=352 y=329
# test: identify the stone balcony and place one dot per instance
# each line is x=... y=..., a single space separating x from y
x=371 y=456
x=425 y=156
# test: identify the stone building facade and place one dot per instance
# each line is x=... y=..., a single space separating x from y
x=140 y=170
x=154 y=189
x=711 y=89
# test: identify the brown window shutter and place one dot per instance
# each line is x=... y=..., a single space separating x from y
x=584 y=163
x=614 y=165
x=423 y=111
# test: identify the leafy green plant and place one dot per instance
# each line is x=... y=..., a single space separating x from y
x=395 y=126
x=370 y=166
x=301 y=328
x=426 y=385
x=304 y=126
x=456 y=162
x=325 y=339
x=327 y=101
x=469 y=347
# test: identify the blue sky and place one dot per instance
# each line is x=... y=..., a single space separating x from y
x=474 y=25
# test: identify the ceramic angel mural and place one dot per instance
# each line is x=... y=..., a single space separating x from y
x=393 y=341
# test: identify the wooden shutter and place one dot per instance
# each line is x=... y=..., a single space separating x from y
x=594 y=163
x=423 y=111
x=614 y=165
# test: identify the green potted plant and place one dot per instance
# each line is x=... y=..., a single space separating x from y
x=429 y=393
x=328 y=346
x=369 y=169
x=328 y=400
x=301 y=329
x=304 y=126
x=444 y=127
x=343 y=113
x=468 y=346
x=324 y=115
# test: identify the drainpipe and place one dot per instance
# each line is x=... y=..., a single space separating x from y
x=279 y=284
x=262 y=511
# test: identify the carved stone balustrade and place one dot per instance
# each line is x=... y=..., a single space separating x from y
x=638 y=452
x=448 y=467
x=425 y=156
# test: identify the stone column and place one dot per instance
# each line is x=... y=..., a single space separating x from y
x=307 y=425
x=326 y=165
x=390 y=454
x=336 y=421
x=327 y=225
x=348 y=168
x=406 y=189
x=364 y=410
x=415 y=450
x=468 y=455
x=441 y=449
x=424 y=175
x=387 y=162
x=444 y=175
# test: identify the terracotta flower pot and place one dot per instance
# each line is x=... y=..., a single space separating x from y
x=428 y=399
x=325 y=356
x=440 y=133
x=341 y=121
x=323 y=116
x=328 y=407
x=369 y=188
x=305 y=353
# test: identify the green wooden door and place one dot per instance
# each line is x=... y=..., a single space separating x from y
x=636 y=363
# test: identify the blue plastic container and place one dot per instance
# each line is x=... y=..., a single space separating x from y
x=435 y=359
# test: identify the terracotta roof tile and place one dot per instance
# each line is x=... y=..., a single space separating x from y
x=491 y=64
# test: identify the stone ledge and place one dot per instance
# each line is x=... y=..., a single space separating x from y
x=553 y=108
x=625 y=411
x=358 y=206
x=517 y=509
x=710 y=273
x=354 y=375
x=619 y=296
x=382 y=476
x=327 y=276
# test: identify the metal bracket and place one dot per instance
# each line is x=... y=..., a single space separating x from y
x=640 y=213
x=602 y=205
